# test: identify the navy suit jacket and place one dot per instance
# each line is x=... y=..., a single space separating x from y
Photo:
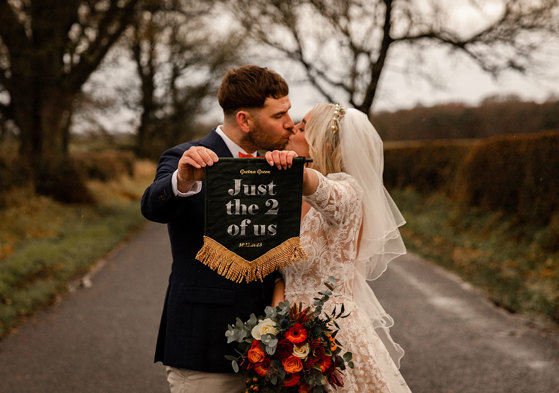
x=199 y=303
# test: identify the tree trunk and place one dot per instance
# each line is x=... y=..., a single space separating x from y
x=44 y=145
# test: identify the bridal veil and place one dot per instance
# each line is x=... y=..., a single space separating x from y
x=363 y=158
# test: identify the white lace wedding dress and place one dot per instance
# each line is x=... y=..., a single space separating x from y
x=329 y=235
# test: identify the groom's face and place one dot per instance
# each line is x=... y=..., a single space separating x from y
x=272 y=125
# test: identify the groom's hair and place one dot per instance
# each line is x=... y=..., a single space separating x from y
x=248 y=87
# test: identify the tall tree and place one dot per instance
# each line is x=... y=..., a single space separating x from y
x=180 y=59
x=48 y=49
x=343 y=45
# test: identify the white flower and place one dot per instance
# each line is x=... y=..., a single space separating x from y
x=301 y=351
x=266 y=326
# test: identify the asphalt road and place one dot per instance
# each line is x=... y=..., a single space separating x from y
x=101 y=338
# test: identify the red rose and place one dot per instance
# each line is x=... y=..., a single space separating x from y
x=310 y=362
x=284 y=349
x=296 y=334
x=291 y=379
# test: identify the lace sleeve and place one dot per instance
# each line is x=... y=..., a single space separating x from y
x=337 y=197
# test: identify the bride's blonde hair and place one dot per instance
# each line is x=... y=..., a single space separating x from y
x=323 y=141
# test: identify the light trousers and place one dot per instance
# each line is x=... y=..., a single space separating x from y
x=189 y=381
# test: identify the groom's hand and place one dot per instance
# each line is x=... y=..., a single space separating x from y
x=191 y=166
x=281 y=159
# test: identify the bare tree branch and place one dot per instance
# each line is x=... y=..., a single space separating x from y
x=366 y=32
x=111 y=27
x=11 y=30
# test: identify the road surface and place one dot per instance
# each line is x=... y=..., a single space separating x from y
x=101 y=339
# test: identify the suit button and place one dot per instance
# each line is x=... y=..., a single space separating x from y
x=163 y=195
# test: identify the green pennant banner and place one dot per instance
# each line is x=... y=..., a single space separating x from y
x=253 y=214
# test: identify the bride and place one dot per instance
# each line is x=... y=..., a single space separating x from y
x=349 y=230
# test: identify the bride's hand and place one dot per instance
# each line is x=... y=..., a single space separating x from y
x=281 y=159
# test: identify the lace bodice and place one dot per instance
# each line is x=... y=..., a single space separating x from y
x=329 y=235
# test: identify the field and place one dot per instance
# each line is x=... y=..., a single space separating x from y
x=48 y=245
x=486 y=209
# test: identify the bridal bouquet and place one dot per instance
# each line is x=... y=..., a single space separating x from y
x=292 y=348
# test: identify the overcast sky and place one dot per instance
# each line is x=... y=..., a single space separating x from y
x=454 y=79
x=459 y=81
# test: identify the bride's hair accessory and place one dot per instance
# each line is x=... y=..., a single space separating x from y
x=339 y=112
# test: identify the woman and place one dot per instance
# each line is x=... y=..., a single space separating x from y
x=349 y=230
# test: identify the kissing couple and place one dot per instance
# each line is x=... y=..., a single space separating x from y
x=349 y=230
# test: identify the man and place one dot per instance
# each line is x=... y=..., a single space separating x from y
x=199 y=302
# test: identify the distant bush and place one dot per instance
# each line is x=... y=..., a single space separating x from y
x=516 y=174
x=104 y=165
x=62 y=182
x=456 y=120
x=426 y=167
x=67 y=185
x=12 y=174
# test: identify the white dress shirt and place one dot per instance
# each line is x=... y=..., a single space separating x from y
x=197 y=187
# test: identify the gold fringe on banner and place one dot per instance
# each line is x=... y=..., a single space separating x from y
x=235 y=268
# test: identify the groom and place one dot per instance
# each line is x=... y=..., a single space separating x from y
x=200 y=303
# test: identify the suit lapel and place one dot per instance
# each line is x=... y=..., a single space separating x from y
x=214 y=142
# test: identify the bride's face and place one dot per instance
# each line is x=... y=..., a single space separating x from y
x=297 y=141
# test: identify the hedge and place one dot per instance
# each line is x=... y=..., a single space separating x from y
x=425 y=167
x=517 y=174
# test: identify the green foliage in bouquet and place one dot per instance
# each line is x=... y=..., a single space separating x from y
x=292 y=348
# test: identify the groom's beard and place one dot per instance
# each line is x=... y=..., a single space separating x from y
x=263 y=139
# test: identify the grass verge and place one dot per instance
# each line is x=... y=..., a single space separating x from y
x=492 y=251
x=47 y=245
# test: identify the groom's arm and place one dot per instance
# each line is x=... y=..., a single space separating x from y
x=191 y=166
x=160 y=202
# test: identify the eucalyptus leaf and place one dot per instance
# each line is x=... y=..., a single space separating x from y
x=252 y=321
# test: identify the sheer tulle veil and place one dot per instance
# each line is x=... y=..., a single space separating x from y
x=363 y=158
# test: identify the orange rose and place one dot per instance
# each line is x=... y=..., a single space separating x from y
x=296 y=334
x=260 y=369
x=292 y=364
x=291 y=379
x=255 y=354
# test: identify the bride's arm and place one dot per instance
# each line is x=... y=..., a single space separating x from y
x=279 y=292
x=335 y=200
x=283 y=160
x=310 y=181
